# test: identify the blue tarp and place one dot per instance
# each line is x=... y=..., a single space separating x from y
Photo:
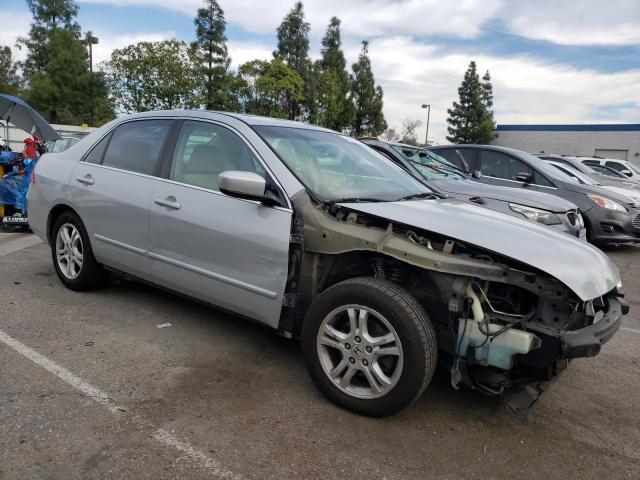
x=14 y=185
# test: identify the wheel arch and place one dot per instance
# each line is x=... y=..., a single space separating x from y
x=54 y=214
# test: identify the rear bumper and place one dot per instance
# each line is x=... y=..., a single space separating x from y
x=587 y=341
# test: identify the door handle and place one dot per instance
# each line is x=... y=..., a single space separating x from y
x=87 y=179
x=169 y=202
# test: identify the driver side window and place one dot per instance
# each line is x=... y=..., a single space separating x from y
x=500 y=165
x=205 y=150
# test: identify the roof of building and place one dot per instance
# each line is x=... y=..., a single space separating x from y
x=595 y=127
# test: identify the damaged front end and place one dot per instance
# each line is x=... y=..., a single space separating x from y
x=504 y=327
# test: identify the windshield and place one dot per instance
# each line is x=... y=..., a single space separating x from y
x=581 y=177
x=430 y=165
x=609 y=172
x=338 y=168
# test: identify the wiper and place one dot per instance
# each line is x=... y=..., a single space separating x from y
x=416 y=196
x=358 y=200
x=441 y=169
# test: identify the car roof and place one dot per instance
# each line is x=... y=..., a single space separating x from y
x=251 y=120
x=474 y=145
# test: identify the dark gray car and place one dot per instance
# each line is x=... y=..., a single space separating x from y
x=609 y=216
x=446 y=179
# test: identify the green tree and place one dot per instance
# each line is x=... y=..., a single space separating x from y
x=471 y=119
x=59 y=83
x=328 y=107
x=154 y=76
x=212 y=56
x=48 y=16
x=367 y=97
x=333 y=61
x=293 y=50
x=409 y=134
x=9 y=82
x=268 y=88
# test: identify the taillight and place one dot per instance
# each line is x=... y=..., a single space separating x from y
x=33 y=177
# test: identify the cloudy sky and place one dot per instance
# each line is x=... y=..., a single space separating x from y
x=552 y=61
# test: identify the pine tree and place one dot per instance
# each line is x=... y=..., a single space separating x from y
x=212 y=56
x=59 y=83
x=48 y=15
x=471 y=120
x=293 y=50
x=333 y=61
x=367 y=97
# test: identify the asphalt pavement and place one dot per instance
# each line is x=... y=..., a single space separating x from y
x=133 y=382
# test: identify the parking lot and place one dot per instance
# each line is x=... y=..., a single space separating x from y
x=92 y=387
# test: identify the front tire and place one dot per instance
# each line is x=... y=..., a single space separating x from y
x=72 y=255
x=369 y=346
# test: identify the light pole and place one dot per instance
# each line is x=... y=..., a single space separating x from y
x=426 y=137
x=91 y=40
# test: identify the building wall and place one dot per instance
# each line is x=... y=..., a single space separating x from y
x=573 y=142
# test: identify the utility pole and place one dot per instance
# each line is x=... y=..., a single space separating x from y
x=91 y=41
x=426 y=137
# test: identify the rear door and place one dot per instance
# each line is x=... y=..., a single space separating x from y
x=227 y=251
x=112 y=190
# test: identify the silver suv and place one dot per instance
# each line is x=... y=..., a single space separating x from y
x=321 y=238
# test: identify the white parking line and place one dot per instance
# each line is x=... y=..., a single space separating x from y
x=630 y=329
x=103 y=399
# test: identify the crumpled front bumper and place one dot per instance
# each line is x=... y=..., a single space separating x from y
x=587 y=341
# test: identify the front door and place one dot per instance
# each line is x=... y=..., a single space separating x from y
x=224 y=250
x=112 y=189
x=498 y=168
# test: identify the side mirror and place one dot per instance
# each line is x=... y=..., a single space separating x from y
x=524 y=177
x=247 y=185
x=626 y=172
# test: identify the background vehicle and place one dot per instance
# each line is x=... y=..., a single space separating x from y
x=444 y=178
x=599 y=173
x=609 y=217
x=583 y=179
x=318 y=236
x=57 y=146
x=625 y=167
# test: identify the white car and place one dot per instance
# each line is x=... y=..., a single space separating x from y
x=623 y=166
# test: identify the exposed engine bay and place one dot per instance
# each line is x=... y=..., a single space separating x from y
x=503 y=327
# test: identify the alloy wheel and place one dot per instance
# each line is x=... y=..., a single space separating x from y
x=360 y=351
x=69 y=251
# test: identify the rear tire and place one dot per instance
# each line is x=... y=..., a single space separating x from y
x=72 y=255
x=369 y=346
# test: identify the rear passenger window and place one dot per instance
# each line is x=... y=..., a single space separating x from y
x=136 y=146
x=205 y=150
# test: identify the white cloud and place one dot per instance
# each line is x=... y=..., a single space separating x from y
x=527 y=90
x=15 y=23
x=587 y=22
x=109 y=41
x=363 y=18
x=241 y=52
